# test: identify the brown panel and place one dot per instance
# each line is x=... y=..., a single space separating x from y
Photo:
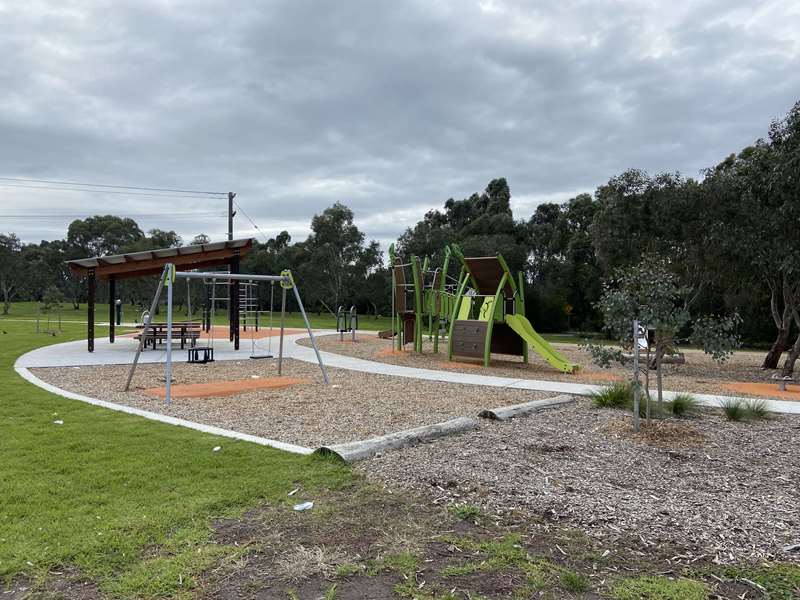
x=488 y=272
x=469 y=337
x=399 y=290
x=409 y=329
x=506 y=341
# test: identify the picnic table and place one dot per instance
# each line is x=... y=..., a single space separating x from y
x=185 y=331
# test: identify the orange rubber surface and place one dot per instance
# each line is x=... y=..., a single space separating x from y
x=765 y=389
x=225 y=388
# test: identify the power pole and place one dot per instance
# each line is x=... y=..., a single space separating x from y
x=231 y=214
x=233 y=287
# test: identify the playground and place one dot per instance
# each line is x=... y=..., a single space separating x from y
x=462 y=409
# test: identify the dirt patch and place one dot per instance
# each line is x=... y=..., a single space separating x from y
x=700 y=374
x=367 y=543
x=717 y=489
x=355 y=406
x=218 y=389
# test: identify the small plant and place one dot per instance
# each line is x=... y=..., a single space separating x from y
x=683 y=405
x=757 y=408
x=574 y=582
x=331 y=593
x=348 y=569
x=735 y=410
x=659 y=588
x=616 y=395
x=467 y=512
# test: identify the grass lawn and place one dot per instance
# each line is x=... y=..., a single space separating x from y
x=126 y=502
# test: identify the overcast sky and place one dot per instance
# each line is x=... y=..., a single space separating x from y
x=388 y=107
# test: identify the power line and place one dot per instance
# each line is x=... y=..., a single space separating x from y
x=124 y=193
x=253 y=223
x=137 y=216
x=103 y=185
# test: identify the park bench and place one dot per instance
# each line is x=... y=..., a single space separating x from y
x=181 y=332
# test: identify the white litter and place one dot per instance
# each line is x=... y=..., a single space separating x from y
x=58 y=422
x=293 y=492
x=217 y=448
x=303 y=506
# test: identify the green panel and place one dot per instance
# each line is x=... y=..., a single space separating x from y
x=487 y=348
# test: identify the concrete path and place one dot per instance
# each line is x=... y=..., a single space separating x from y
x=121 y=352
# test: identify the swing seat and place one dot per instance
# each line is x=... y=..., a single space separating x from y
x=201 y=355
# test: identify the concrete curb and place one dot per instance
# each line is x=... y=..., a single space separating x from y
x=31 y=378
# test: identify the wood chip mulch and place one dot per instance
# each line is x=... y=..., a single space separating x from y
x=717 y=490
x=700 y=374
x=355 y=406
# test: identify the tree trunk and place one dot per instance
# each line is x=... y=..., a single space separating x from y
x=6 y=299
x=778 y=347
x=791 y=358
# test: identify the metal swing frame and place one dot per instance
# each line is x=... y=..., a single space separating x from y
x=167 y=279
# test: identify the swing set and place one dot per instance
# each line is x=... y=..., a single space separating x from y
x=167 y=279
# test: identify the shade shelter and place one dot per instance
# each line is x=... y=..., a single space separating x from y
x=152 y=262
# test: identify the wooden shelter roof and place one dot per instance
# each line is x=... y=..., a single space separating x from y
x=151 y=262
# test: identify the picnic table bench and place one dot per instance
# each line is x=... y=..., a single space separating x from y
x=182 y=331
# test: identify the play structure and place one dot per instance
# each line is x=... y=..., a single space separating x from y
x=480 y=312
x=501 y=326
x=167 y=279
x=422 y=298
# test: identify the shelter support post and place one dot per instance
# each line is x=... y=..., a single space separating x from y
x=92 y=293
x=112 y=293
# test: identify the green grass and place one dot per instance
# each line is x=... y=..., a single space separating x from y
x=616 y=395
x=27 y=311
x=735 y=410
x=573 y=581
x=757 y=408
x=659 y=588
x=781 y=581
x=683 y=405
x=324 y=320
x=128 y=502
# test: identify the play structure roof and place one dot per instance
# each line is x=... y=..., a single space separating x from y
x=486 y=272
x=151 y=262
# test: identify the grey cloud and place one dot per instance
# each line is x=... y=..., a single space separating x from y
x=388 y=107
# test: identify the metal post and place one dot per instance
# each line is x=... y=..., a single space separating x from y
x=283 y=323
x=310 y=334
x=636 y=375
x=168 y=365
x=112 y=292
x=231 y=196
x=147 y=322
x=188 y=301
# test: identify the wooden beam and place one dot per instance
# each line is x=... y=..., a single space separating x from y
x=155 y=264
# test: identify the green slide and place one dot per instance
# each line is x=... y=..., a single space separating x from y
x=525 y=330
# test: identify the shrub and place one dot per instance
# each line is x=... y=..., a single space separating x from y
x=683 y=405
x=616 y=395
x=757 y=408
x=735 y=410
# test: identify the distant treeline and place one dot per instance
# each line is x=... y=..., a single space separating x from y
x=732 y=236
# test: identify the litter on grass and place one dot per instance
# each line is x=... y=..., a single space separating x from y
x=303 y=506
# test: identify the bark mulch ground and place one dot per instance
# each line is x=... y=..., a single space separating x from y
x=355 y=406
x=700 y=374
x=719 y=490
